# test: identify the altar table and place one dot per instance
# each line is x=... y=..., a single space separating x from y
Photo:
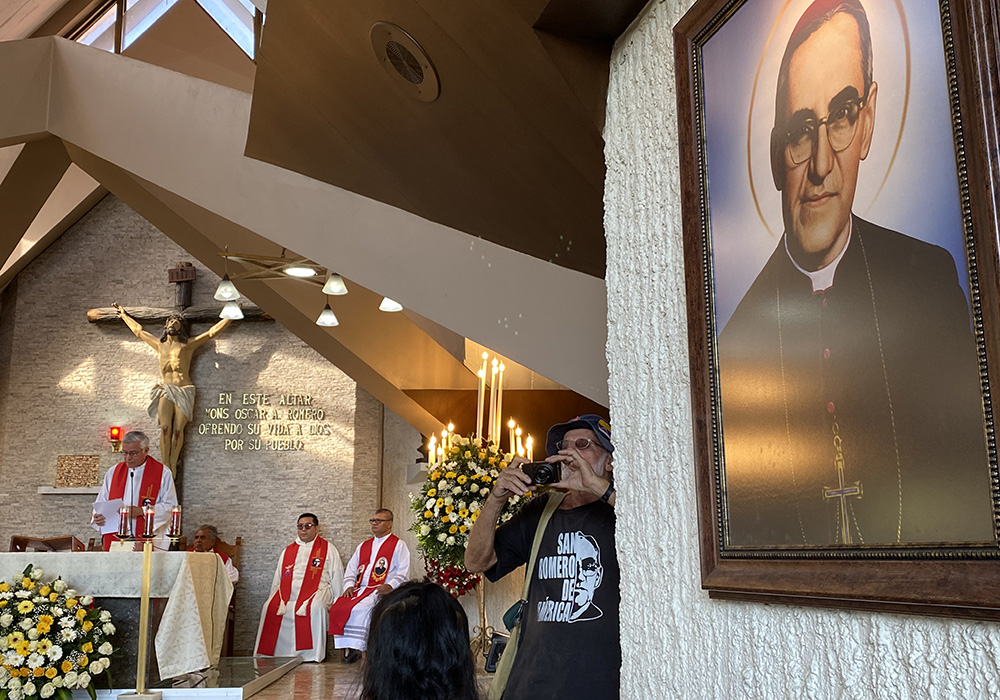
x=195 y=584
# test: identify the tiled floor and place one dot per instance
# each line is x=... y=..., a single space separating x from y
x=330 y=680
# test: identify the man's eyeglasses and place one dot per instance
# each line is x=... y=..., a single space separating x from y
x=841 y=127
x=132 y=453
x=378 y=520
x=305 y=526
x=578 y=443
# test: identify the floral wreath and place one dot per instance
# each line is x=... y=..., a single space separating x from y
x=448 y=505
x=52 y=640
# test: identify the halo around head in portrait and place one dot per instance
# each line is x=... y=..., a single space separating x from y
x=418 y=647
x=589 y=421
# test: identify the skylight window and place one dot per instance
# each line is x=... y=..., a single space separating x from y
x=235 y=17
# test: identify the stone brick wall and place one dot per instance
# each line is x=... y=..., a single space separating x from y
x=63 y=381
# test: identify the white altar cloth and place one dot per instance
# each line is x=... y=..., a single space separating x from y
x=195 y=585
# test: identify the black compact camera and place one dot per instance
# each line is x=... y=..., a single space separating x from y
x=542 y=472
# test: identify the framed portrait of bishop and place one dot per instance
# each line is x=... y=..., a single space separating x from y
x=841 y=271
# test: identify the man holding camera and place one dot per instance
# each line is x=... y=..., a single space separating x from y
x=569 y=625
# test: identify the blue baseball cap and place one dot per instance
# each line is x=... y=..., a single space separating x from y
x=600 y=427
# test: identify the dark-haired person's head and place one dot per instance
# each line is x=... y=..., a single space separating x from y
x=308 y=527
x=418 y=647
x=824 y=118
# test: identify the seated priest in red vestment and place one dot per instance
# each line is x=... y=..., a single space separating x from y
x=294 y=618
x=379 y=564
x=205 y=538
x=137 y=482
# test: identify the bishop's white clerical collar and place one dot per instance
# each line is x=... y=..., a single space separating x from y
x=822 y=279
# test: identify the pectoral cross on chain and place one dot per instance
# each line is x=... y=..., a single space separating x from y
x=843 y=491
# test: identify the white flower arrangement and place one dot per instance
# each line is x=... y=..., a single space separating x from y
x=449 y=504
x=52 y=641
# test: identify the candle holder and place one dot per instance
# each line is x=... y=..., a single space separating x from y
x=124 y=524
x=174 y=530
x=148 y=516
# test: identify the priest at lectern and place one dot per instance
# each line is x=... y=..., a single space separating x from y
x=294 y=618
x=136 y=483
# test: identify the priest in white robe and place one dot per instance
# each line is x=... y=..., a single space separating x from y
x=378 y=565
x=294 y=618
x=137 y=482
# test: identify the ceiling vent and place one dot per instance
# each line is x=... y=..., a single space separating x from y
x=405 y=62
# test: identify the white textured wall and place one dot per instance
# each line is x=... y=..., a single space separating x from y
x=676 y=643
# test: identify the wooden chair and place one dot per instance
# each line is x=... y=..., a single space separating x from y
x=95 y=545
x=66 y=543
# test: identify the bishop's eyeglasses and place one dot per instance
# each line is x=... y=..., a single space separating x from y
x=802 y=133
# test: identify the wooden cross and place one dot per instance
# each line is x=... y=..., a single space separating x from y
x=182 y=276
x=843 y=492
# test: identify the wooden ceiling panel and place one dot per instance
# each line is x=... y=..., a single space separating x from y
x=510 y=151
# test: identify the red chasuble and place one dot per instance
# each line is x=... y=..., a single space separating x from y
x=149 y=491
x=341 y=609
x=310 y=584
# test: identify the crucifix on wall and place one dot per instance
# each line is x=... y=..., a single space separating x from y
x=172 y=397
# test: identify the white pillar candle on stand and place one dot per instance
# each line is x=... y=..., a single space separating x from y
x=498 y=432
x=492 y=425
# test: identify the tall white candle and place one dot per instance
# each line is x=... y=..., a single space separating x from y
x=481 y=384
x=528 y=444
x=498 y=431
x=510 y=428
x=432 y=450
x=491 y=426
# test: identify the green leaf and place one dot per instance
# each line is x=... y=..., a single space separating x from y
x=91 y=692
x=3 y=694
x=64 y=694
x=27 y=570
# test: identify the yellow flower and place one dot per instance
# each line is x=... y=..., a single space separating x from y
x=435 y=475
x=453 y=529
x=4 y=586
x=15 y=637
x=450 y=475
x=24 y=672
x=462 y=479
x=44 y=590
x=53 y=597
x=464 y=513
x=43 y=628
x=431 y=493
x=482 y=454
x=503 y=465
x=445 y=519
x=71 y=602
x=83 y=662
x=87 y=648
x=440 y=502
x=23 y=648
x=51 y=673
x=80 y=614
x=486 y=479
x=454 y=450
x=449 y=509
x=47 y=619
x=492 y=461
x=3 y=603
x=462 y=528
x=87 y=625
x=428 y=514
x=38 y=672
x=44 y=645
x=475 y=516
x=25 y=607
x=67 y=666
x=27 y=583
x=468 y=454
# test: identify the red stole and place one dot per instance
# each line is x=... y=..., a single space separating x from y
x=310 y=584
x=225 y=557
x=149 y=491
x=341 y=609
